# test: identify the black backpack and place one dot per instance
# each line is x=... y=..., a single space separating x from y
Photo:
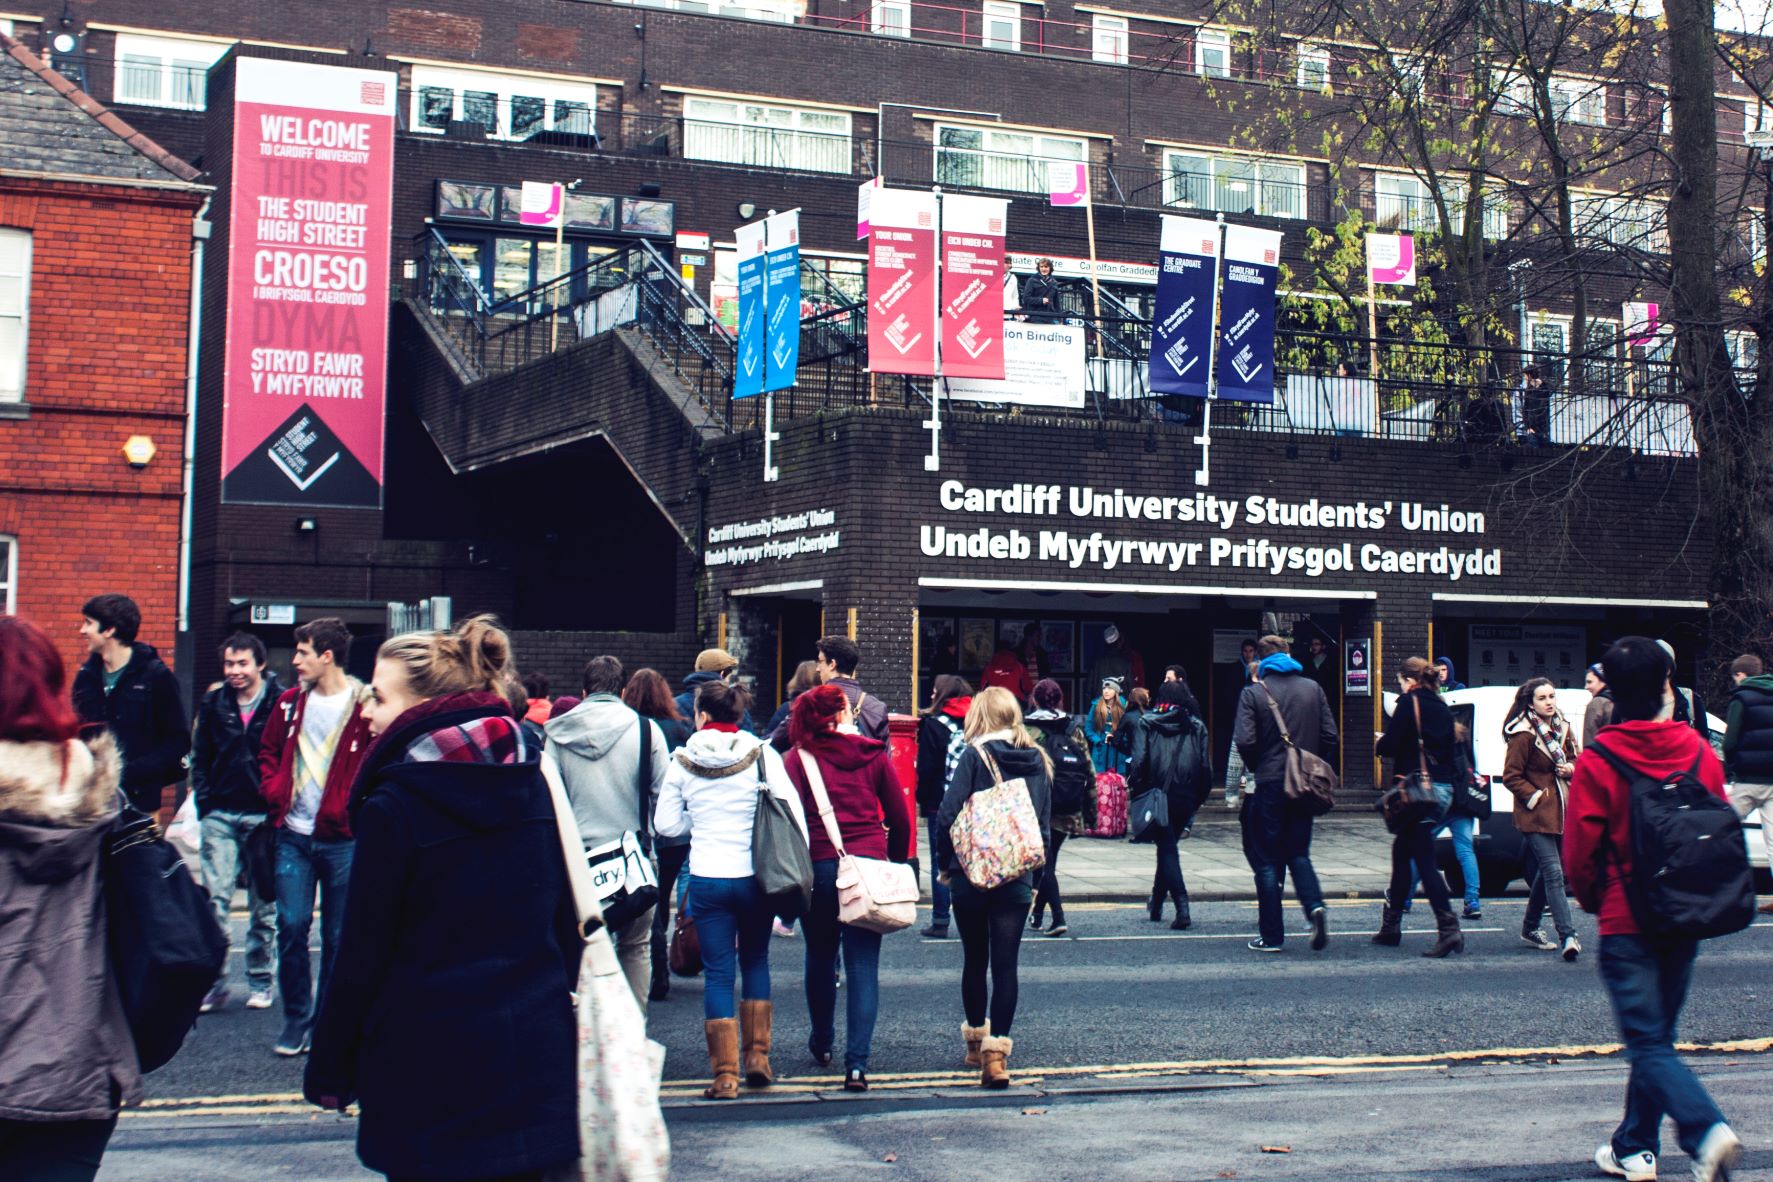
x=1071 y=772
x=1690 y=874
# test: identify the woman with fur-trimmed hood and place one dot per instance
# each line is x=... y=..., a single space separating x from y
x=67 y=1059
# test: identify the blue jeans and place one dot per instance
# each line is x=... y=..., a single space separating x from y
x=940 y=901
x=1459 y=828
x=1647 y=980
x=1277 y=838
x=304 y=863
x=861 y=970
x=733 y=923
x=225 y=834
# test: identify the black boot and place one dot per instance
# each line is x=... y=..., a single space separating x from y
x=1182 y=922
x=1391 y=927
x=661 y=986
x=1450 y=938
x=1155 y=906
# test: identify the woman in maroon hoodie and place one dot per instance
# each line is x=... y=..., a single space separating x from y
x=875 y=822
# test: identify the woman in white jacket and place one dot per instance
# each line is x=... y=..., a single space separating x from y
x=710 y=795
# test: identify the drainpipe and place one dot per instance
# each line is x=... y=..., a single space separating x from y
x=200 y=230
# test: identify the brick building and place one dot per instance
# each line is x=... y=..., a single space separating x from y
x=600 y=490
x=96 y=224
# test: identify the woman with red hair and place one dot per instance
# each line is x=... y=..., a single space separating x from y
x=67 y=1059
x=875 y=822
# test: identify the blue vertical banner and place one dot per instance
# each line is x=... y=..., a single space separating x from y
x=750 y=345
x=1246 y=314
x=1182 y=321
x=782 y=299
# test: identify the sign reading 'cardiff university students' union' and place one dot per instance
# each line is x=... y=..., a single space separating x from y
x=752 y=339
x=306 y=349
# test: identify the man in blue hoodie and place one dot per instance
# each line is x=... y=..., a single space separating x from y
x=1277 y=831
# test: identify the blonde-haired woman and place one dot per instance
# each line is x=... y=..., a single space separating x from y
x=990 y=922
x=459 y=944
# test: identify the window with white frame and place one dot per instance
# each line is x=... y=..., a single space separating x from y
x=1212 y=53
x=509 y=106
x=1000 y=158
x=1601 y=371
x=6 y=25
x=1411 y=72
x=163 y=71
x=1579 y=100
x=1234 y=184
x=1313 y=67
x=1002 y=28
x=763 y=10
x=15 y=309
x=891 y=18
x=1621 y=221
x=739 y=131
x=1108 y=38
x=8 y=574
x=1745 y=356
x=1404 y=202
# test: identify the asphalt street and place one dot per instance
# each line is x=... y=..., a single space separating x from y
x=1171 y=1047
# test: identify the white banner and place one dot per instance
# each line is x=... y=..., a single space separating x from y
x=1043 y=365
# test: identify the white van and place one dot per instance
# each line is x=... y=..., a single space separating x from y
x=1482 y=710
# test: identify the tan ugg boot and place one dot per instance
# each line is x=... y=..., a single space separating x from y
x=994 y=1054
x=756 y=1018
x=723 y=1058
x=974 y=1035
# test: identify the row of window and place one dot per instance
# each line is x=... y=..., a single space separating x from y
x=15 y=303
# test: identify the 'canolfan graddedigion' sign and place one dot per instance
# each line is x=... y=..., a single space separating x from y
x=307 y=341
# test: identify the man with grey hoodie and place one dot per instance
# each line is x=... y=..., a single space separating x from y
x=598 y=746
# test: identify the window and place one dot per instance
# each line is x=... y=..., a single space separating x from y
x=1002 y=27
x=509 y=106
x=1212 y=53
x=1601 y=371
x=1402 y=202
x=1234 y=184
x=1549 y=344
x=1411 y=72
x=891 y=18
x=8 y=574
x=992 y=158
x=163 y=71
x=1108 y=38
x=1578 y=100
x=763 y=10
x=1621 y=221
x=740 y=132
x=1314 y=67
x=15 y=305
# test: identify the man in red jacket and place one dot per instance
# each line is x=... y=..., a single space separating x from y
x=1646 y=977
x=314 y=740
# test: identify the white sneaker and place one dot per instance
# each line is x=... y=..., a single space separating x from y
x=1538 y=939
x=1634 y=1167
x=1718 y=1155
x=260 y=1000
x=1572 y=947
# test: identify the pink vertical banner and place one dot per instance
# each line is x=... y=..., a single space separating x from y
x=902 y=320
x=972 y=286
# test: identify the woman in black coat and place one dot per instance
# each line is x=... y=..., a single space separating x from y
x=448 y=1018
x=1170 y=751
x=937 y=750
x=1412 y=747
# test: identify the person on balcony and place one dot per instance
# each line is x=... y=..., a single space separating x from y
x=1040 y=293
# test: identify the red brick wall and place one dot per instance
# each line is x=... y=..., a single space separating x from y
x=109 y=309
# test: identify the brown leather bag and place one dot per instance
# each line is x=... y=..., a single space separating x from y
x=1309 y=778
x=685 y=956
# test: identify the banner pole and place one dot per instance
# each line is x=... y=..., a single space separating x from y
x=1095 y=277
x=770 y=471
x=1372 y=327
x=933 y=424
x=1203 y=474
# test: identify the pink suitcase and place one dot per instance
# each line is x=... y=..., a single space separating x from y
x=1111 y=805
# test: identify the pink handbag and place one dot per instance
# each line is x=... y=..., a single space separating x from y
x=871 y=894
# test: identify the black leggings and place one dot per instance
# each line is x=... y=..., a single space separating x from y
x=990 y=925
x=1416 y=845
x=53 y=1151
x=1048 y=895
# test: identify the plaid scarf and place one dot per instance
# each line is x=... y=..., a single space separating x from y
x=495 y=739
x=1552 y=735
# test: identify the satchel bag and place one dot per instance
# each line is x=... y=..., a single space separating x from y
x=622 y=875
x=622 y=1135
x=166 y=947
x=1309 y=777
x=997 y=837
x=1411 y=799
x=686 y=947
x=874 y=895
x=1148 y=815
x=779 y=856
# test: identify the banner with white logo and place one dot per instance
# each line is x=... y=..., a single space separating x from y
x=902 y=320
x=752 y=342
x=1182 y=323
x=972 y=286
x=782 y=299
x=1246 y=314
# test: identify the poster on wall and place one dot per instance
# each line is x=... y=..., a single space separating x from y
x=1246 y=314
x=750 y=341
x=1357 y=672
x=978 y=643
x=902 y=283
x=1508 y=654
x=304 y=368
x=972 y=286
x=1391 y=258
x=1182 y=323
x=1044 y=365
x=782 y=299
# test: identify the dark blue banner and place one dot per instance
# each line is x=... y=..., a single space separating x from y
x=1182 y=323
x=1246 y=314
x=782 y=297
x=750 y=346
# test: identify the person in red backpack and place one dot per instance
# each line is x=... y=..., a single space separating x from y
x=1646 y=976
